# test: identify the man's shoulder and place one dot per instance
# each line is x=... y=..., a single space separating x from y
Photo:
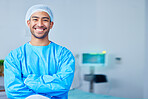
x=56 y=45
x=59 y=47
x=62 y=51
x=18 y=51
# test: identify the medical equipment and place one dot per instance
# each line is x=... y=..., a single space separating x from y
x=93 y=59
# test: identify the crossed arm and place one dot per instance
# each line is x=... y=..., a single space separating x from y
x=55 y=85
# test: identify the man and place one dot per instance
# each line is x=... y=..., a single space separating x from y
x=39 y=67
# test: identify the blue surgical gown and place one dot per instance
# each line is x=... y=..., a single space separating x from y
x=45 y=70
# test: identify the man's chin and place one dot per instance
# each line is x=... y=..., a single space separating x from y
x=40 y=37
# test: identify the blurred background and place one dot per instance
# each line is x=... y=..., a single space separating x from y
x=117 y=26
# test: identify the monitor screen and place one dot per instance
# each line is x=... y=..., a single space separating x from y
x=89 y=58
x=93 y=59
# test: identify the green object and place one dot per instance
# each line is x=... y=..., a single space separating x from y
x=93 y=58
x=1 y=62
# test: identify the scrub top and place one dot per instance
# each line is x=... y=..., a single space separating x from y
x=44 y=70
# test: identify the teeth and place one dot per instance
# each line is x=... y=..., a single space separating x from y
x=39 y=29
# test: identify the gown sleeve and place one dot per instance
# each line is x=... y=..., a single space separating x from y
x=57 y=84
x=14 y=84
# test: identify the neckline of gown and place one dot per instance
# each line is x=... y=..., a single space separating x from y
x=39 y=46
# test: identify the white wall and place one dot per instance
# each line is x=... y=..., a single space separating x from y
x=117 y=26
x=122 y=23
x=146 y=54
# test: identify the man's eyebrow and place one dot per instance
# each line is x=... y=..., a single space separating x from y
x=42 y=17
x=45 y=17
x=35 y=17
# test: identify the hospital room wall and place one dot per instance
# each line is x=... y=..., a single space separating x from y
x=117 y=26
x=146 y=54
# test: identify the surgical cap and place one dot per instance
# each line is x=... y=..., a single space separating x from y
x=39 y=7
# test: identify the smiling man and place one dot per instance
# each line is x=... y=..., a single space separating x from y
x=40 y=24
x=39 y=67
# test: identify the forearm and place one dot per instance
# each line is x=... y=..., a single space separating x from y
x=52 y=85
x=20 y=94
x=14 y=86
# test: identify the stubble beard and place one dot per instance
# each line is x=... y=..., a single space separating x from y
x=45 y=34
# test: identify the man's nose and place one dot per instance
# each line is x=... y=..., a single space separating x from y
x=40 y=23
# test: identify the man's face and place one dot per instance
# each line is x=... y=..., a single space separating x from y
x=40 y=24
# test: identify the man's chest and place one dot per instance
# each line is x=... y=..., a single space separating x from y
x=39 y=64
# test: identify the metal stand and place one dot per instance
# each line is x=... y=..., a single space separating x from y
x=97 y=78
x=91 y=90
x=92 y=80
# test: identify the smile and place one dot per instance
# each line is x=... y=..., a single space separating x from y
x=40 y=30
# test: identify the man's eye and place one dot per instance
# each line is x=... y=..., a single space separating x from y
x=45 y=20
x=34 y=19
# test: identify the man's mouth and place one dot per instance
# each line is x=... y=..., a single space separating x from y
x=40 y=29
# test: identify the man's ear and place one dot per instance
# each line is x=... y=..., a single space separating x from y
x=28 y=23
x=51 y=25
